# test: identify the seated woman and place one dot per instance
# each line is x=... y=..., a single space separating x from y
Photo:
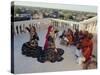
x=31 y=48
x=50 y=52
x=87 y=46
x=69 y=37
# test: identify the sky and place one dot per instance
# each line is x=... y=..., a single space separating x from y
x=85 y=8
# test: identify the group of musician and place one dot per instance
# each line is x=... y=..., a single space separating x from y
x=83 y=41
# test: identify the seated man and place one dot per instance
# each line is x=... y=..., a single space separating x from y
x=63 y=38
x=62 y=35
x=76 y=37
x=70 y=37
x=78 y=53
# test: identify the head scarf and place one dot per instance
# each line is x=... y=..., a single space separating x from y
x=48 y=32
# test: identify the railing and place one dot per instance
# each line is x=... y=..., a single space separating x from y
x=89 y=25
x=41 y=24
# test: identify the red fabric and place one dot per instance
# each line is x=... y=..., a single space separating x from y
x=46 y=41
x=87 y=48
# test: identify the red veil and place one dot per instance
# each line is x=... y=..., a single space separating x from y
x=46 y=41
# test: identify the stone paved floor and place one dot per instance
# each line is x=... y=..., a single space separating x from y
x=25 y=64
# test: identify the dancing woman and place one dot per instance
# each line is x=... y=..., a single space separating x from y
x=50 y=37
x=31 y=47
x=52 y=53
x=33 y=33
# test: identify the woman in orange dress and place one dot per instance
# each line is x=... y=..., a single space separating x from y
x=87 y=48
